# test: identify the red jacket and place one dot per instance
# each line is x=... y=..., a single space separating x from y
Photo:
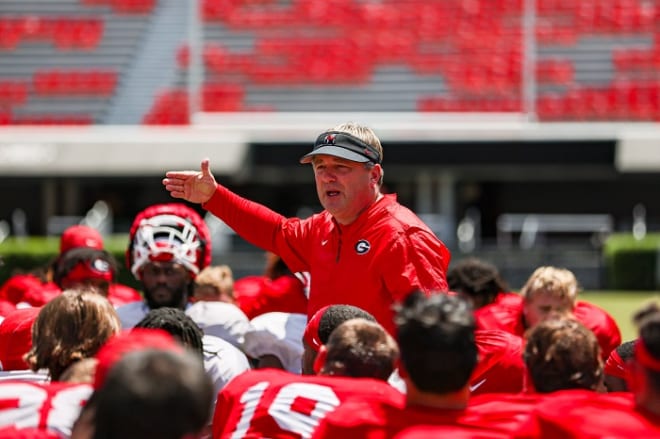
x=377 y=260
x=506 y=314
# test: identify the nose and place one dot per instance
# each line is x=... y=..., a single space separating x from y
x=327 y=176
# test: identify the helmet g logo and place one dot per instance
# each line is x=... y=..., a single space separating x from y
x=362 y=247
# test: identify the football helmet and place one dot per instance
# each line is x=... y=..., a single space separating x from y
x=169 y=232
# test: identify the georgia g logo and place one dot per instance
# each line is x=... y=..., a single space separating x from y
x=362 y=247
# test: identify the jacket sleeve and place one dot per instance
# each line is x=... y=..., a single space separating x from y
x=261 y=226
x=416 y=261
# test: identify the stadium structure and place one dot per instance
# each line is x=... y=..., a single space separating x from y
x=523 y=131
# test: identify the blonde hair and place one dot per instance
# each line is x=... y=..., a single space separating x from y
x=556 y=282
x=219 y=277
x=72 y=326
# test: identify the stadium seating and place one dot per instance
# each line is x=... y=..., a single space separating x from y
x=595 y=60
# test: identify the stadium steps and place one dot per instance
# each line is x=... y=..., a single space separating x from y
x=153 y=65
x=121 y=36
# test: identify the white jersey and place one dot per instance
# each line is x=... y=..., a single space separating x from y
x=40 y=376
x=45 y=406
x=220 y=319
x=222 y=361
x=279 y=334
x=131 y=313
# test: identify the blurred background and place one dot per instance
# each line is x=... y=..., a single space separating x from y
x=523 y=132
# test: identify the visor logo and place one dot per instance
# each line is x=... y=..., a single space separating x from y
x=330 y=138
x=362 y=247
x=101 y=265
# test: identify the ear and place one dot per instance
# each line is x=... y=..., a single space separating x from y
x=319 y=362
x=375 y=173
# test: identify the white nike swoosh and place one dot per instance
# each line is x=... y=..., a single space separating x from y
x=476 y=386
x=324 y=242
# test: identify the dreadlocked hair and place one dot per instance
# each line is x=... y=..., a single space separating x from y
x=177 y=323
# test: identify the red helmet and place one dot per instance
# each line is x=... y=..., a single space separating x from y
x=169 y=232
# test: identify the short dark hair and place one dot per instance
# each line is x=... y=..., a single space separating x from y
x=152 y=394
x=437 y=342
x=335 y=315
x=361 y=348
x=562 y=353
x=626 y=350
x=177 y=323
x=647 y=320
x=476 y=278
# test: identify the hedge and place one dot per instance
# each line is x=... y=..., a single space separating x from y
x=19 y=255
x=632 y=264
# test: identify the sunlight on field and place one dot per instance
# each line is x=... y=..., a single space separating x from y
x=621 y=305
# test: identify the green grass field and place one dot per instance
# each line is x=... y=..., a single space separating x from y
x=621 y=305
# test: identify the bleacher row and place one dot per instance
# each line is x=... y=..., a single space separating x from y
x=596 y=59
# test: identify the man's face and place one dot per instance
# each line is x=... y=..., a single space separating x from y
x=165 y=284
x=541 y=306
x=345 y=188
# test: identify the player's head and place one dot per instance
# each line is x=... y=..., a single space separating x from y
x=178 y=324
x=479 y=280
x=616 y=367
x=72 y=326
x=151 y=393
x=437 y=342
x=359 y=348
x=320 y=326
x=123 y=343
x=85 y=267
x=561 y=353
x=169 y=245
x=80 y=236
x=214 y=284
x=549 y=292
x=644 y=377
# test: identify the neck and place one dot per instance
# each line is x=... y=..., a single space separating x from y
x=449 y=401
x=376 y=198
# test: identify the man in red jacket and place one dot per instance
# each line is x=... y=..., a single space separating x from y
x=365 y=249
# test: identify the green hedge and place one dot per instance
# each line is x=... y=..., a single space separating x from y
x=632 y=264
x=22 y=255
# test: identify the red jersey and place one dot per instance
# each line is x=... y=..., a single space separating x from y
x=506 y=314
x=360 y=419
x=377 y=260
x=43 y=406
x=505 y=412
x=256 y=295
x=276 y=404
x=500 y=368
x=583 y=414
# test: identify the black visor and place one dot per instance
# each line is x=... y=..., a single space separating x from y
x=343 y=145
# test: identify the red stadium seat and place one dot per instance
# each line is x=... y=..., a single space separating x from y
x=95 y=82
x=13 y=93
x=554 y=71
x=10 y=33
x=222 y=97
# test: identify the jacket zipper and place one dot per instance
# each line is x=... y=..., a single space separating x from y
x=338 y=245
